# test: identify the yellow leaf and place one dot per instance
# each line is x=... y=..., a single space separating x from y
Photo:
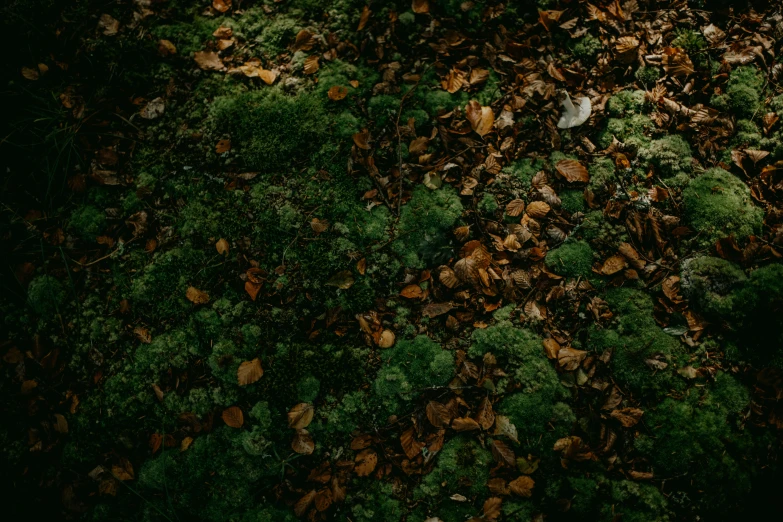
x=222 y=246
x=196 y=296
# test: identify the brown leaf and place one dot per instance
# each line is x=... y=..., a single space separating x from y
x=485 y=415
x=361 y=441
x=613 y=265
x=386 y=339
x=124 y=471
x=420 y=6
x=570 y=358
x=343 y=280
x=628 y=417
x=196 y=296
x=498 y=486
x=166 y=48
x=267 y=76
x=481 y=118
x=365 y=17
x=448 y=277
x=410 y=445
x=249 y=372
x=538 y=209
x=454 y=81
x=304 y=40
x=252 y=289
x=301 y=506
x=311 y=64
x=572 y=171
x=337 y=93
x=504 y=426
x=303 y=442
x=323 y=499
x=465 y=424
x=208 y=61
x=419 y=145
x=221 y=6
x=412 y=292
x=366 y=461
x=222 y=246
x=522 y=486
x=436 y=309
x=503 y=454
x=551 y=347
x=361 y=139
x=515 y=207
x=438 y=414
x=492 y=508
x=108 y=25
x=233 y=417
x=61 y=424
x=300 y=416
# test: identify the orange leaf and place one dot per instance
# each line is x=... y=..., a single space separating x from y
x=252 y=289
x=572 y=171
x=366 y=461
x=465 y=424
x=492 y=508
x=222 y=246
x=481 y=118
x=221 y=6
x=337 y=93
x=196 y=296
x=233 y=417
x=300 y=416
x=412 y=292
x=249 y=372
x=420 y=6
x=522 y=486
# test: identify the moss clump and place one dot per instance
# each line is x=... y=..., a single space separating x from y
x=601 y=231
x=45 y=295
x=626 y=103
x=272 y=130
x=588 y=48
x=632 y=130
x=648 y=75
x=520 y=173
x=463 y=467
x=572 y=201
x=688 y=39
x=710 y=283
x=376 y=502
x=635 y=339
x=602 y=175
x=699 y=436
x=307 y=389
x=410 y=366
x=756 y=315
x=670 y=155
x=87 y=222
x=743 y=91
x=425 y=222
x=717 y=203
x=571 y=259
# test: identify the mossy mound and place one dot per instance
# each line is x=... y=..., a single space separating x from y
x=571 y=259
x=718 y=204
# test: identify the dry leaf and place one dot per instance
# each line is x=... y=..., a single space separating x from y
x=311 y=64
x=420 y=6
x=208 y=61
x=221 y=246
x=221 y=6
x=222 y=146
x=337 y=93
x=267 y=76
x=108 y=25
x=412 y=292
x=304 y=41
x=515 y=207
x=249 y=372
x=492 y=508
x=410 y=445
x=196 y=296
x=233 y=417
x=572 y=171
x=485 y=415
x=300 y=416
x=343 y=279
x=538 y=209
x=522 y=486
x=361 y=139
x=166 y=48
x=504 y=427
x=301 y=506
x=465 y=424
x=364 y=18
x=613 y=265
x=366 y=461
x=551 y=347
x=386 y=339
x=303 y=442
x=570 y=358
x=438 y=414
x=628 y=417
x=481 y=118
x=502 y=453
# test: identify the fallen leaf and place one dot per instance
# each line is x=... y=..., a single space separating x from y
x=221 y=6
x=504 y=427
x=492 y=508
x=386 y=339
x=300 y=416
x=337 y=93
x=249 y=372
x=208 y=61
x=267 y=76
x=300 y=508
x=343 y=280
x=311 y=65
x=361 y=139
x=485 y=416
x=420 y=6
x=412 y=292
x=481 y=118
x=515 y=207
x=304 y=41
x=233 y=417
x=570 y=358
x=438 y=414
x=166 y=48
x=222 y=246
x=366 y=461
x=522 y=486
x=303 y=442
x=465 y=424
x=502 y=453
x=551 y=347
x=364 y=18
x=538 y=209
x=572 y=171
x=196 y=296
x=410 y=445
x=108 y=25
x=153 y=110
x=628 y=417
x=613 y=265
x=223 y=146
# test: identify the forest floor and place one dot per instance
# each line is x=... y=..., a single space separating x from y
x=355 y=260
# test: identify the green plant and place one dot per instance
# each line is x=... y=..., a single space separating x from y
x=717 y=202
x=45 y=295
x=571 y=259
x=670 y=155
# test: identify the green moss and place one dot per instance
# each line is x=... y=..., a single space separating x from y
x=425 y=222
x=587 y=48
x=717 y=203
x=271 y=129
x=688 y=39
x=572 y=201
x=463 y=467
x=602 y=175
x=487 y=204
x=601 y=231
x=633 y=130
x=756 y=315
x=635 y=338
x=648 y=75
x=670 y=155
x=744 y=90
x=710 y=284
x=410 y=366
x=45 y=295
x=571 y=259
x=626 y=103
x=375 y=502
x=635 y=502
x=87 y=222
x=520 y=172
x=307 y=389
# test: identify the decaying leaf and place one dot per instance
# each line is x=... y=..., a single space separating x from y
x=196 y=296
x=481 y=118
x=572 y=171
x=300 y=416
x=249 y=372
x=465 y=424
x=303 y=442
x=570 y=358
x=233 y=417
x=208 y=61
x=628 y=417
x=337 y=93
x=222 y=247
x=343 y=280
x=492 y=508
x=366 y=461
x=522 y=486
x=438 y=414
